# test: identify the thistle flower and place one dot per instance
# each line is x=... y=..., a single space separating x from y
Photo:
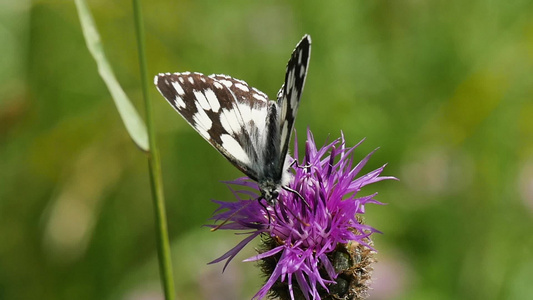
x=313 y=249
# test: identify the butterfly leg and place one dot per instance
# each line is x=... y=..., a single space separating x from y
x=298 y=166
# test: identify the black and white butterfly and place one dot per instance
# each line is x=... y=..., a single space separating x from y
x=250 y=130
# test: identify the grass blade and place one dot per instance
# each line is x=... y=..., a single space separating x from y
x=133 y=122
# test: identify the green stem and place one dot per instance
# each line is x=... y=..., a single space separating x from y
x=154 y=163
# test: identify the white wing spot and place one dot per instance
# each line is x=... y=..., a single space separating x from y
x=181 y=79
x=179 y=102
x=219 y=75
x=294 y=102
x=218 y=85
x=202 y=79
x=212 y=99
x=202 y=121
x=300 y=57
x=284 y=108
x=202 y=100
x=229 y=121
x=226 y=83
x=302 y=71
x=259 y=97
x=284 y=132
x=191 y=80
x=239 y=81
x=290 y=80
x=234 y=148
x=241 y=86
x=178 y=88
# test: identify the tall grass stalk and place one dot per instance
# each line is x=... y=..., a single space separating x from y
x=154 y=164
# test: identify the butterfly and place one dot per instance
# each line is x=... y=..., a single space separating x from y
x=250 y=130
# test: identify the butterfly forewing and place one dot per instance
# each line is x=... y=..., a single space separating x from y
x=291 y=91
x=210 y=107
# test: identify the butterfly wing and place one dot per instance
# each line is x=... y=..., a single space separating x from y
x=251 y=131
x=252 y=105
x=291 y=91
x=219 y=108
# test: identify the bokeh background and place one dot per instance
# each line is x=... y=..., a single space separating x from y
x=444 y=88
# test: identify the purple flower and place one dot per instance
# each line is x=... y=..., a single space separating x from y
x=312 y=249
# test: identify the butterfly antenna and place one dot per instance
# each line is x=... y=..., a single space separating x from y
x=302 y=198
x=297 y=194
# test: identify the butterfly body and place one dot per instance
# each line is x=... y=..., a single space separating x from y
x=250 y=130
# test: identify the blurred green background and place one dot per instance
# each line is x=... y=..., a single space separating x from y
x=444 y=88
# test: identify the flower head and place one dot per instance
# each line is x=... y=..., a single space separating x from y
x=314 y=243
